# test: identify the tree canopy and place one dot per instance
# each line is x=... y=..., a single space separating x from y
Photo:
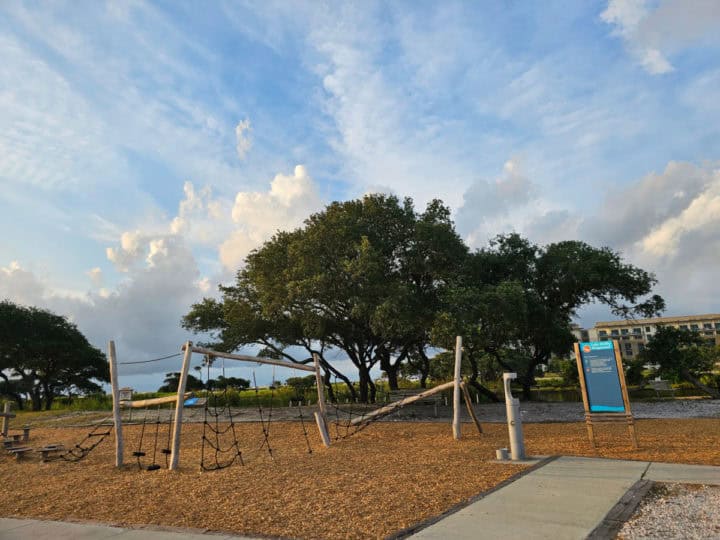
x=388 y=286
x=682 y=355
x=43 y=355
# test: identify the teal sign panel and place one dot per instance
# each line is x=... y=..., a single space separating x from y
x=602 y=381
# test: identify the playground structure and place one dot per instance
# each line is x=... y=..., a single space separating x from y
x=320 y=415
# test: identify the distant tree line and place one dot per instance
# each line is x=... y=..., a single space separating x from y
x=389 y=286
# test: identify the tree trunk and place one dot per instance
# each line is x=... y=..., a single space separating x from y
x=330 y=370
x=697 y=384
x=364 y=383
x=392 y=374
x=484 y=391
x=36 y=399
x=424 y=368
x=391 y=369
x=474 y=382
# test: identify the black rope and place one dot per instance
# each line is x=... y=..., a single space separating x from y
x=151 y=360
x=217 y=431
x=265 y=428
x=302 y=423
x=139 y=452
x=79 y=451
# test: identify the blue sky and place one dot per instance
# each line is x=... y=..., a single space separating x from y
x=147 y=147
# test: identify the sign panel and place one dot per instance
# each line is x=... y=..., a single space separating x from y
x=603 y=383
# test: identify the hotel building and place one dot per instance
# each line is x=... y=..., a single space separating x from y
x=634 y=334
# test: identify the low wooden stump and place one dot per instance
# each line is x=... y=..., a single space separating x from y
x=50 y=450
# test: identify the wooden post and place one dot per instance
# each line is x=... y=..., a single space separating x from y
x=177 y=427
x=6 y=418
x=468 y=404
x=321 y=414
x=117 y=420
x=457 y=431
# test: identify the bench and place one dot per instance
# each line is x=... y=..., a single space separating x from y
x=11 y=439
x=20 y=451
x=50 y=450
x=662 y=386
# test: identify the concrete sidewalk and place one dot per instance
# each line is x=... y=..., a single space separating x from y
x=564 y=499
x=25 y=529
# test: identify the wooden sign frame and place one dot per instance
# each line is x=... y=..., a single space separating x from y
x=606 y=417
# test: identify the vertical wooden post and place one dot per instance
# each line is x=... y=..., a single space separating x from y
x=6 y=419
x=321 y=414
x=457 y=432
x=117 y=420
x=177 y=427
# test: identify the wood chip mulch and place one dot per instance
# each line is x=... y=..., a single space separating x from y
x=388 y=477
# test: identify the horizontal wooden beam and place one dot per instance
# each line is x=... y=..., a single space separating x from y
x=256 y=359
x=141 y=403
x=396 y=405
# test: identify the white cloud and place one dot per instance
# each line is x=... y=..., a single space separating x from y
x=243 y=139
x=701 y=215
x=259 y=215
x=651 y=32
x=96 y=276
x=487 y=204
x=132 y=249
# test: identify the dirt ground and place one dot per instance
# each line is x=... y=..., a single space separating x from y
x=381 y=480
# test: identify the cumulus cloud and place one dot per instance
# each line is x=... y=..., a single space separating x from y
x=242 y=138
x=131 y=250
x=486 y=203
x=141 y=314
x=258 y=215
x=651 y=34
x=20 y=285
x=701 y=216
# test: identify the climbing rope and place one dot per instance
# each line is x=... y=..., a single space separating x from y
x=215 y=431
x=80 y=451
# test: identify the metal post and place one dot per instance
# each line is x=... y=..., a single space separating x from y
x=117 y=420
x=177 y=427
x=512 y=406
x=457 y=430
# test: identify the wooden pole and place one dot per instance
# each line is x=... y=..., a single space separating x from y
x=256 y=359
x=117 y=420
x=457 y=430
x=468 y=404
x=142 y=403
x=6 y=418
x=321 y=414
x=400 y=403
x=177 y=427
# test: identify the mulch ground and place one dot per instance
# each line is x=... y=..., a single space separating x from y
x=381 y=480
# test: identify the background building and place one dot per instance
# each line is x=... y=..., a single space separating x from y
x=634 y=334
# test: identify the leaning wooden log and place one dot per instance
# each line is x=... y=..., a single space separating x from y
x=141 y=403
x=397 y=404
x=468 y=404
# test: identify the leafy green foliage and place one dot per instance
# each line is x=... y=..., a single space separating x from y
x=682 y=355
x=43 y=355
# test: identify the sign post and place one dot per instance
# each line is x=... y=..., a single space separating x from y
x=602 y=381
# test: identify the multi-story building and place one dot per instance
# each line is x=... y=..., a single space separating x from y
x=634 y=334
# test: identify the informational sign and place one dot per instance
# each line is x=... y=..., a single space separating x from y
x=604 y=382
